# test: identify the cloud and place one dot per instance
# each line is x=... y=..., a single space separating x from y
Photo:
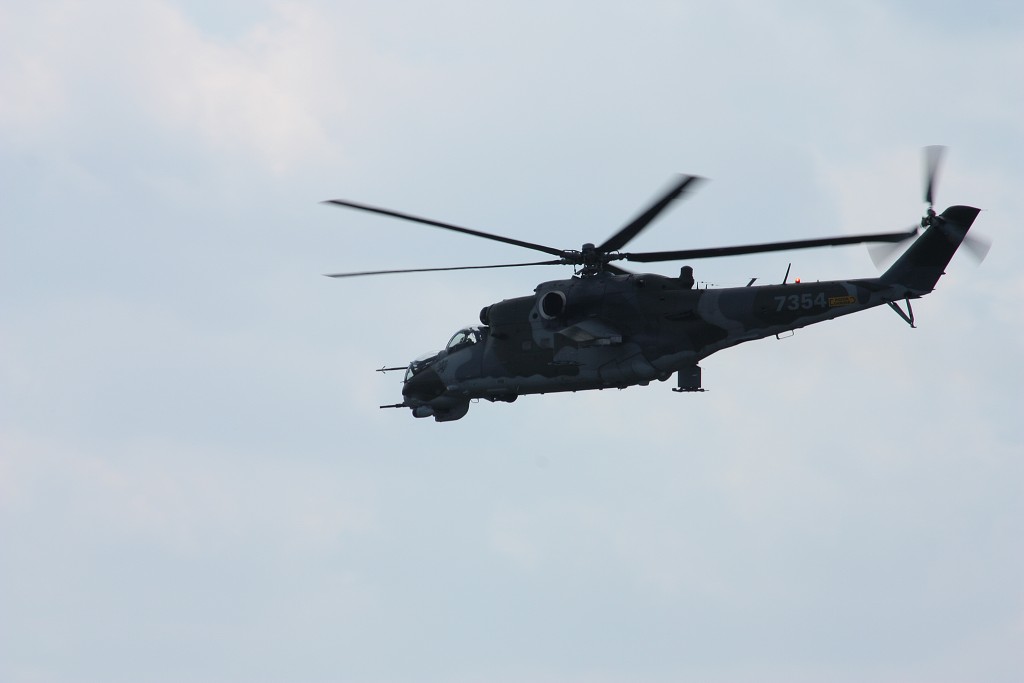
x=263 y=95
x=183 y=500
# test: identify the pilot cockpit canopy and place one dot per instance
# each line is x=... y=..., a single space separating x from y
x=464 y=337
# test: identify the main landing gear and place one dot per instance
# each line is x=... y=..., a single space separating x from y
x=689 y=379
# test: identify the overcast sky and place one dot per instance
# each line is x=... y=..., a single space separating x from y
x=196 y=483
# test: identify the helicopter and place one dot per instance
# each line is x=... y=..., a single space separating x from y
x=608 y=327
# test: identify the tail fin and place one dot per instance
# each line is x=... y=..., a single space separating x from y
x=921 y=266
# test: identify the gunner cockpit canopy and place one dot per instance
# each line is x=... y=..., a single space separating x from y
x=419 y=364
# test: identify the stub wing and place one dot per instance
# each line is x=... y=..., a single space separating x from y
x=591 y=332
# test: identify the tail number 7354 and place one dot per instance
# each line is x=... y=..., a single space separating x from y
x=798 y=302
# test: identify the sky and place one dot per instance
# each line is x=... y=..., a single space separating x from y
x=196 y=483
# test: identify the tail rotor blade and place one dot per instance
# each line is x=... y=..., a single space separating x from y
x=977 y=246
x=883 y=254
x=932 y=160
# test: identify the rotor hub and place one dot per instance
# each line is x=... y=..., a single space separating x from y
x=929 y=218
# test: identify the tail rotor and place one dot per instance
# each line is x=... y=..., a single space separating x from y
x=882 y=255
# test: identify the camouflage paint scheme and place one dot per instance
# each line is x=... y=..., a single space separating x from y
x=605 y=330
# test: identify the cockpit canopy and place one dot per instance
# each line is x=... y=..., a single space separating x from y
x=461 y=339
x=421 y=362
x=464 y=337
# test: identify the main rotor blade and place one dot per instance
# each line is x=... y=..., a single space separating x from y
x=654 y=256
x=446 y=226
x=619 y=239
x=434 y=270
x=932 y=159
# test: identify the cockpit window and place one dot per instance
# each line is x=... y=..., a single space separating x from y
x=464 y=337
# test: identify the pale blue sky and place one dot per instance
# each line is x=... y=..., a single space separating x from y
x=196 y=483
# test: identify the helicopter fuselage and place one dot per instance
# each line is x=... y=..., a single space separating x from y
x=614 y=330
x=561 y=338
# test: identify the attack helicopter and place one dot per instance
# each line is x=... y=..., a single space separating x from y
x=608 y=327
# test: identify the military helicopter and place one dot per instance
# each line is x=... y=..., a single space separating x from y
x=607 y=327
